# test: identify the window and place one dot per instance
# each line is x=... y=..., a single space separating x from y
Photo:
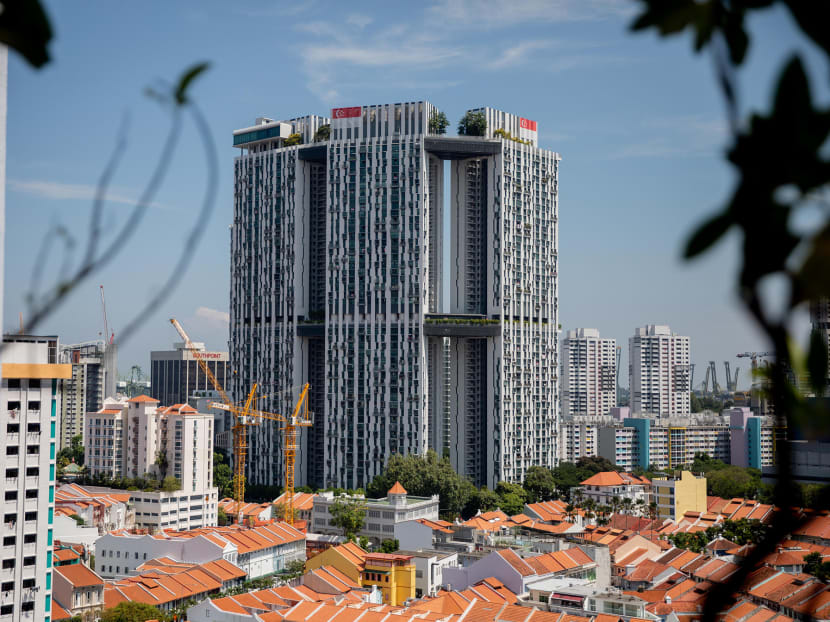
x=32 y=471
x=12 y=450
x=9 y=518
x=27 y=583
x=6 y=610
x=14 y=383
x=31 y=494
x=9 y=541
x=34 y=383
x=33 y=450
x=29 y=561
x=34 y=405
x=30 y=516
x=30 y=538
x=11 y=473
x=29 y=605
x=12 y=428
x=33 y=427
x=7 y=586
x=8 y=564
x=11 y=495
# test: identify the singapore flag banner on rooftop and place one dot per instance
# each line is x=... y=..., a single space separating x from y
x=527 y=130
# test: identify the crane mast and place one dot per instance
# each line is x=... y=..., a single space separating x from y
x=250 y=415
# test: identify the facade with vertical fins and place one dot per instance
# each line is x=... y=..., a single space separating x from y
x=342 y=276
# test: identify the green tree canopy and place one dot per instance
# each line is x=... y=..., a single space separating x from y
x=323 y=133
x=389 y=546
x=438 y=123
x=472 y=124
x=424 y=476
x=539 y=484
x=171 y=484
x=131 y=612
x=349 y=514
x=734 y=481
x=484 y=500
x=222 y=475
x=294 y=139
x=511 y=498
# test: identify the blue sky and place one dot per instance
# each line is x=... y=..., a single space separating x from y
x=637 y=120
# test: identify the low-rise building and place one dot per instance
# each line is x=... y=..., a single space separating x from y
x=606 y=487
x=517 y=572
x=429 y=569
x=676 y=496
x=381 y=514
x=105 y=508
x=79 y=590
x=259 y=551
x=392 y=574
x=303 y=505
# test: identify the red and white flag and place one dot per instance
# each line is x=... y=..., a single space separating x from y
x=346 y=113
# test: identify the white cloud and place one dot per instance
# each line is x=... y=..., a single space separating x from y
x=518 y=53
x=499 y=14
x=393 y=48
x=359 y=21
x=214 y=315
x=61 y=192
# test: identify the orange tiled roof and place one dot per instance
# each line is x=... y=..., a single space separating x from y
x=397 y=489
x=614 y=478
x=142 y=398
x=79 y=575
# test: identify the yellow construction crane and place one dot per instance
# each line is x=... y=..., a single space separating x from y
x=249 y=415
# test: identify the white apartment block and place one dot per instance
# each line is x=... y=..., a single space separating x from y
x=94 y=375
x=30 y=419
x=658 y=371
x=259 y=551
x=382 y=515
x=337 y=277
x=589 y=373
x=128 y=438
x=579 y=437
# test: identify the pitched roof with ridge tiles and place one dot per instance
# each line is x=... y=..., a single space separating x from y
x=143 y=398
x=79 y=575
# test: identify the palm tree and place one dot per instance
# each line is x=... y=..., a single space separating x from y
x=641 y=506
x=615 y=503
x=626 y=505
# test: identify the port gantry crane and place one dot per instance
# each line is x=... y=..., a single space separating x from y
x=248 y=415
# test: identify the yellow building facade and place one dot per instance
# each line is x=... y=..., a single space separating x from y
x=394 y=575
x=675 y=497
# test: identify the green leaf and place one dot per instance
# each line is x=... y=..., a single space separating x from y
x=707 y=234
x=817 y=362
x=25 y=27
x=184 y=82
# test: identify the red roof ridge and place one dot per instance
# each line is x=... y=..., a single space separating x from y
x=397 y=489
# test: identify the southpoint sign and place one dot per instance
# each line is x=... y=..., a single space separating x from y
x=207 y=355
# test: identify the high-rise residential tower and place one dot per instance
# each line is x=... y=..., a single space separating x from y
x=94 y=376
x=589 y=373
x=820 y=319
x=29 y=418
x=338 y=274
x=658 y=371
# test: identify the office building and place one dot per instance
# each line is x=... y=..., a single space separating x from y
x=30 y=415
x=658 y=371
x=676 y=496
x=338 y=263
x=589 y=373
x=175 y=374
x=94 y=377
x=137 y=437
